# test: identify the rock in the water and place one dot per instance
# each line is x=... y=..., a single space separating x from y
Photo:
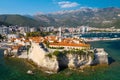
x=29 y=72
x=101 y=57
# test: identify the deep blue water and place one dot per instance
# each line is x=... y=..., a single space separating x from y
x=15 y=69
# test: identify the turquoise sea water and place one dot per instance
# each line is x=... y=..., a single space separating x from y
x=15 y=69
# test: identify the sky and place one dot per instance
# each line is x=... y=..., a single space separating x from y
x=32 y=7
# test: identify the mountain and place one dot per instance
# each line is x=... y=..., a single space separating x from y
x=46 y=19
x=29 y=16
x=94 y=17
x=3 y=23
x=19 y=20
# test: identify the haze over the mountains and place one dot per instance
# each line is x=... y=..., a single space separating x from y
x=94 y=17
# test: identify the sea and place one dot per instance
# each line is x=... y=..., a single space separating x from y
x=15 y=69
x=101 y=35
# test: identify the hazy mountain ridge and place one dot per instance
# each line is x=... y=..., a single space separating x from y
x=104 y=17
x=94 y=17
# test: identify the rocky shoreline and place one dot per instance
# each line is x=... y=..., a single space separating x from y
x=55 y=62
x=73 y=60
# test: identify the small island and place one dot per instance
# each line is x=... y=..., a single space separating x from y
x=54 y=53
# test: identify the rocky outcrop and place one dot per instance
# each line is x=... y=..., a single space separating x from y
x=38 y=56
x=77 y=61
x=101 y=57
x=53 y=63
x=74 y=61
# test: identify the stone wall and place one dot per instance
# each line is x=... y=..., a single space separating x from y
x=55 y=63
x=38 y=56
x=101 y=57
x=74 y=61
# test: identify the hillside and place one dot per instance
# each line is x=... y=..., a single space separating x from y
x=3 y=23
x=19 y=20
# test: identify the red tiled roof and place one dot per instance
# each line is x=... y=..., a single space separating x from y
x=70 y=44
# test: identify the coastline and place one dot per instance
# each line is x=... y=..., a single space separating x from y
x=100 y=39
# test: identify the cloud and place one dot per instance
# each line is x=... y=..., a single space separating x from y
x=67 y=4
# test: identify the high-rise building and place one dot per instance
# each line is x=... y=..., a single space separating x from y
x=33 y=29
x=4 y=30
x=84 y=29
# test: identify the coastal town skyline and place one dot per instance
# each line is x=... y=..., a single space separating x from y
x=47 y=6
